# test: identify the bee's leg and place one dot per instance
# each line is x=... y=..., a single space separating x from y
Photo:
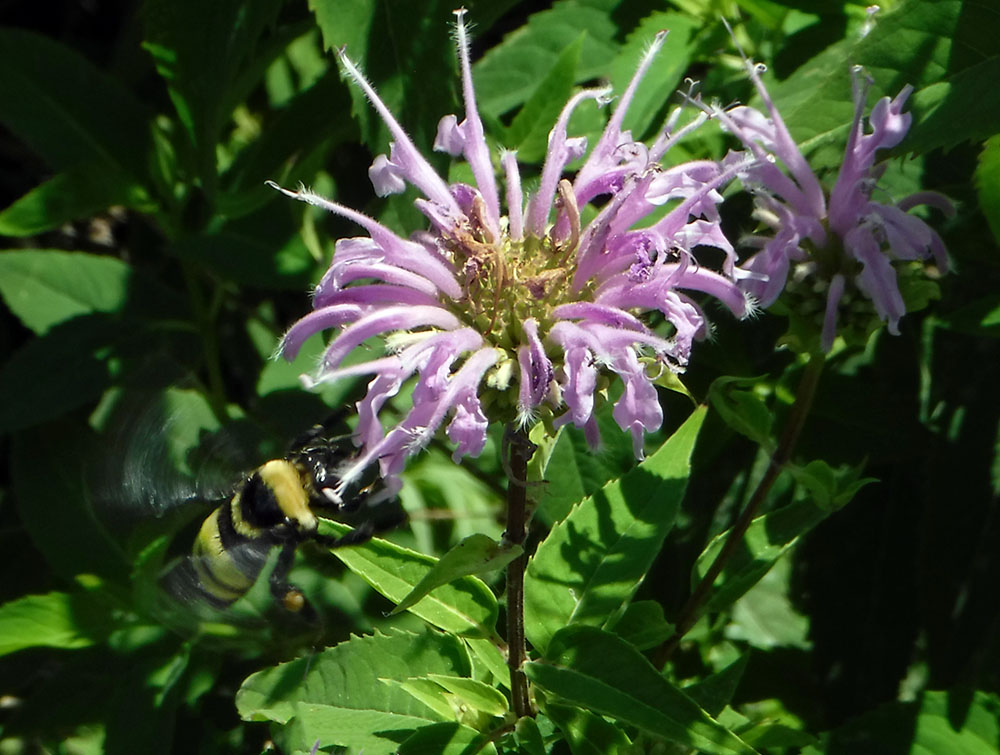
x=287 y=595
x=360 y=534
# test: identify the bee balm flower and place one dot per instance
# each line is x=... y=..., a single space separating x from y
x=848 y=237
x=503 y=316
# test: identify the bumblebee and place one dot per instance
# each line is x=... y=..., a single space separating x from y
x=275 y=506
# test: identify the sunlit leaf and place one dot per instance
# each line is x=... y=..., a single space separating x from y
x=338 y=698
x=56 y=619
x=465 y=606
x=476 y=554
x=592 y=562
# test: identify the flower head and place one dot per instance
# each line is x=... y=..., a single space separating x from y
x=503 y=315
x=846 y=237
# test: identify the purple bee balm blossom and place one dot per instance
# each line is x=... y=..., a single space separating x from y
x=504 y=317
x=846 y=237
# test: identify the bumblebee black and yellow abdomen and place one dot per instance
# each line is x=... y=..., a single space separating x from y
x=225 y=562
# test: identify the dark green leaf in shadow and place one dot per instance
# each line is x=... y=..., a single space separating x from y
x=406 y=51
x=592 y=562
x=715 y=692
x=953 y=721
x=602 y=673
x=767 y=538
x=201 y=51
x=319 y=115
x=741 y=409
x=55 y=373
x=70 y=112
x=263 y=249
x=48 y=466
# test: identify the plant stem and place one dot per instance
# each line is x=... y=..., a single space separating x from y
x=692 y=609
x=520 y=450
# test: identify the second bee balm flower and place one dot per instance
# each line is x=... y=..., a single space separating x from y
x=504 y=316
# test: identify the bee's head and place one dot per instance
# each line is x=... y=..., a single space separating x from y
x=320 y=463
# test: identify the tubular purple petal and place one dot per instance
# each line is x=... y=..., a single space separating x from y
x=602 y=157
x=417 y=170
x=389 y=318
x=476 y=151
x=315 y=322
x=559 y=154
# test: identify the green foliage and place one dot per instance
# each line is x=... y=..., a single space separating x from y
x=148 y=273
x=591 y=563
x=601 y=673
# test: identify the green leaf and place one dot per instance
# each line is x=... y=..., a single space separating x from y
x=574 y=471
x=48 y=468
x=429 y=693
x=465 y=606
x=56 y=619
x=44 y=287
x=585 y=732
x=488 y=654
x=263 y=250
x=314 y=117
x=942 y=47
x=643 y=625
x=988 y=184
x=406 y=51
x=70 y=112
x=337 y=696
x=529 y=131
x=765 y=617
x=80 y=192
x=60 y=371
x=372 y=732
x=591 y=563
x=200 y=51
x=767 y=538
x=955 y=721
x=508 y=74
x=733 y=398
x=446 y=739
x=603 y=674
x=476 y=554
x=473 y=694
x=831 y=489
x=529 y=737
x=715 y=692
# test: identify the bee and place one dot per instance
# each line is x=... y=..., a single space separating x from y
x=274 y=507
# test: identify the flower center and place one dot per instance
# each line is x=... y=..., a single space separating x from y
x=507 y=281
